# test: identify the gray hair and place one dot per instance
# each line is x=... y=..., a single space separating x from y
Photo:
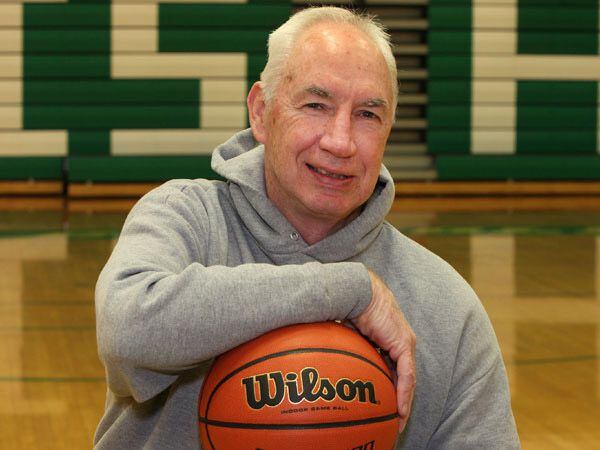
x=282 y=41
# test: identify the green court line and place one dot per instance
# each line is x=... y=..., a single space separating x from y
x=94 y=235
x=556 y=360
x=52 y=379
x=503 y=230
x=538 y=230
x=28 y=233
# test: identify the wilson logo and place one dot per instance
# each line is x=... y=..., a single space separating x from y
x=307 y=387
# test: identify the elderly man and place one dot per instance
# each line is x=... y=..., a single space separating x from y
x=296 y=234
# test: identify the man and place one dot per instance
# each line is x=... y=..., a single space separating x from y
x=296 y=234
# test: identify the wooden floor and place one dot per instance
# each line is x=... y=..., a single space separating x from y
x=538 y=274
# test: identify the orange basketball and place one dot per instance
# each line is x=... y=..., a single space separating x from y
x=319 y=385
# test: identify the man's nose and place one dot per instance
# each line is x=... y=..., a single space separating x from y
x=337 y=138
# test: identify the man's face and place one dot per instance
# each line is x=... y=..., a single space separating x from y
x=327 y=126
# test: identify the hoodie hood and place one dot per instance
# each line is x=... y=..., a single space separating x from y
x=240 y=160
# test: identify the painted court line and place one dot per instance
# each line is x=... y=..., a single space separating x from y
x=52 y=379
x=112 y=233
x=557 y=360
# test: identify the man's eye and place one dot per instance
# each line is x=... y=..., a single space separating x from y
x=368 y=115
x=314 y=105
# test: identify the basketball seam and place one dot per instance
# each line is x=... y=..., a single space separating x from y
x=298 y=426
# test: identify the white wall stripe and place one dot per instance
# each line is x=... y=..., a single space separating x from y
x=167 y=142
x=11 y=15
x=145 y=15
x=501 y=42
x=495 y=2
x=127 y=40
x=11 y=67
x=11 y=117
x=495 y=91
x=11 y=41
x=34 y=143
x=11 y=92
x=493 y=142
x=537 y=67
x=481 y=92
x=223 y=90
x=222 y=116
x=145 y=40
x=494 y=17
x=494 y=116
x=179 y=65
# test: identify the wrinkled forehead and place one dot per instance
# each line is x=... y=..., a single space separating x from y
x=333 y=39
x=333 y=35
x=327 y=46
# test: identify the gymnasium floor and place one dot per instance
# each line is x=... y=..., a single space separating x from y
x=538 y=275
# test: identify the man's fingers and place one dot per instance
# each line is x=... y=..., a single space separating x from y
x=405 y=387
x=384 y=323
x=406 y=380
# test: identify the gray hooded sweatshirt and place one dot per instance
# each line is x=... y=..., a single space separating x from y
x=202 y=266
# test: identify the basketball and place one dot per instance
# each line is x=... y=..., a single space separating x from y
x=307 y=386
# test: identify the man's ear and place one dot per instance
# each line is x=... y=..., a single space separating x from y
x=257 y=112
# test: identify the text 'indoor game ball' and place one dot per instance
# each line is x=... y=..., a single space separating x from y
x=310 y=386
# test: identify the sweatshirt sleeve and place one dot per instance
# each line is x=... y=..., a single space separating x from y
x=477 y=413
x=162 y=309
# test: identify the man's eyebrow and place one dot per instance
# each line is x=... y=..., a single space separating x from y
x=371 y=102
x=319 y=92
x=375 y=103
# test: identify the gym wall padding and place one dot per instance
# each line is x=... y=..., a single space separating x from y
x=513 y=89
x=125 y=90
x=143 y=90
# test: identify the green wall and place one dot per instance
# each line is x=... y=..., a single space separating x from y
x=91 y=90
x=513 y=89
x=143 y=91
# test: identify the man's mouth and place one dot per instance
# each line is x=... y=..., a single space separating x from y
x=337 y=176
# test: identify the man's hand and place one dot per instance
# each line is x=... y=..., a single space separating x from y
x=384 y=323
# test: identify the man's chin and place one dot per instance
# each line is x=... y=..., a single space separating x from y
x=334 y=211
